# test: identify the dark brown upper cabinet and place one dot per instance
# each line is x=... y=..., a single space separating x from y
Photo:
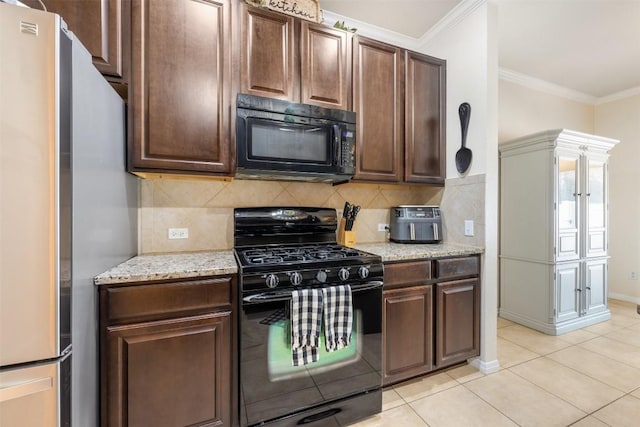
x=102 y=27
x=400 y=98
x=325 y=66
x=378 y=84
x=425 y=119
x=180 y=95
x=288 y=58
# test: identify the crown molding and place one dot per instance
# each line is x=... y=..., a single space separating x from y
x=451 y=19
x=561 y=91
x=370 y=30
x=619 y=95
x=545 y=86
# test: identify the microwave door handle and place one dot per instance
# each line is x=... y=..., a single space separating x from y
x=412 y=231
x=436 y=233
x=335 y=137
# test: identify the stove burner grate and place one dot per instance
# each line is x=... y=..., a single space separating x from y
x=305 y=253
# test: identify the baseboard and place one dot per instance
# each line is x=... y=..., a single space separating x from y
x=485 y=367
x=623 y=297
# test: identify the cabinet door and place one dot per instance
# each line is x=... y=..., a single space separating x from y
x=378 y=100
x=169 y=373
x=268 y=54
x=179 y=115
x=407 y=332
x=325 y=66
x=425 y=124
x=595 y=206
x=568 y=206
x=568 y=291
x=457 y=321
x=595 y=286
x=99 y=26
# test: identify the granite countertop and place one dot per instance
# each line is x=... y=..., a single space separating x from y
x=170 y=266
x=402 y=251
x=199 y=264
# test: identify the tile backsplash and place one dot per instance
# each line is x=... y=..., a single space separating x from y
x=206 y=207
x=463 y=199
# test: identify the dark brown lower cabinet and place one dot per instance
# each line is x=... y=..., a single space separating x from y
x=431 y=315
x=170 y=372
x=167 y=354
x=457 y=321
x=408 y=332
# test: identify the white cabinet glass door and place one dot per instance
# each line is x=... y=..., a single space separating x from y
x=568 y=206
x=595 y=208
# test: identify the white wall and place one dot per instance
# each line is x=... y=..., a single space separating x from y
x=523 y=111
x=621 y=120
x=470 y=47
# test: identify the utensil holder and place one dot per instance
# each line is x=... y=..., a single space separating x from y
x=346 y=238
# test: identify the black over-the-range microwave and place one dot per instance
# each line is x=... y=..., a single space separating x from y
x=278 y=139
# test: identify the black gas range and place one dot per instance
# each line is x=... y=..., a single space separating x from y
x=287 y=248
x=280 y=250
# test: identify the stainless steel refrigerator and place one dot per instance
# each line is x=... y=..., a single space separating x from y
x=68 y=211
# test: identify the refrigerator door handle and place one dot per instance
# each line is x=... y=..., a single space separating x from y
x=25 y=389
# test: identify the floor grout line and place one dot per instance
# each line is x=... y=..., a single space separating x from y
x=575 y=345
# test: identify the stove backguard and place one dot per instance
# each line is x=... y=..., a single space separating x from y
x=284 y=225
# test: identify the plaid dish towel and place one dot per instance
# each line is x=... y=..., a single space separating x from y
x=338 y=316
x=306 y=321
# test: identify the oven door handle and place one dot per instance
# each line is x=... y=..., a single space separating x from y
x=286 y=295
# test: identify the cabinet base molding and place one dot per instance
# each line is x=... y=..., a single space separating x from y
x=559 y=328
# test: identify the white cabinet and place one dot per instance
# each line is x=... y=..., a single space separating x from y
x=553 y=230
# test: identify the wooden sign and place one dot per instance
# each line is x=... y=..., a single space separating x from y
x=305 y=9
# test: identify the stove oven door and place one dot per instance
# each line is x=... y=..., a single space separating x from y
x=272 y=388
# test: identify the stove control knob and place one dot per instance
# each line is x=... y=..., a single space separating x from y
x=363 y=272
x=321 y=276
x=296 y=278
x=343 y=274
x=272 y=280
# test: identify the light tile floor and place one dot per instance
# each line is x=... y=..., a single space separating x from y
x=585 y=378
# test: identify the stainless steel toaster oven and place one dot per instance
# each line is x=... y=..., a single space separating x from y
x=415 y=224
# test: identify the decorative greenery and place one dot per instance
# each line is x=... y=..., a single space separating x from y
x=342 y=26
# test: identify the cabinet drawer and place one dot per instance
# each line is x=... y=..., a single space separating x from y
x=457 y=267
x=404 y=273
x=165 y=300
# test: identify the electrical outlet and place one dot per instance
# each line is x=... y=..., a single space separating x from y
x=383 y=227
x=633 y=275
x=468 y=227
x=178 y=233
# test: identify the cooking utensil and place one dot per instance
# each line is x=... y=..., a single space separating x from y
x=346 y=210
x=352 y=217
x=463 y=156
